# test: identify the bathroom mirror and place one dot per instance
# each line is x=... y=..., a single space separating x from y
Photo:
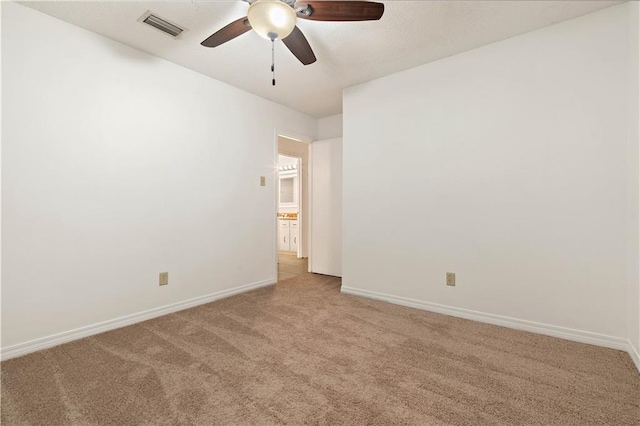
x=286 y=190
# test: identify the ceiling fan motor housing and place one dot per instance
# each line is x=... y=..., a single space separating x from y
x=303 y=9
x=271 y=19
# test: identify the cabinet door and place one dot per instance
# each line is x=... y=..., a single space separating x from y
x=293 y=239
x=283 y=239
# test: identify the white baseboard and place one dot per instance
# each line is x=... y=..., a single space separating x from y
x=531 y=326
x=82 y=332
x=635 y=356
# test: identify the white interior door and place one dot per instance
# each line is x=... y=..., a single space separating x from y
x=326 y=209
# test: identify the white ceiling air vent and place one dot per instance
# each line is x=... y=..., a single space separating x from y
x=161 y=24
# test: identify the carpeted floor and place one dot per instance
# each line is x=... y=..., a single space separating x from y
x=301 y=352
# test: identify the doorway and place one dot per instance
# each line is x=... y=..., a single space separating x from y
x=317 y=235
x=289 y=205
x=292 y=205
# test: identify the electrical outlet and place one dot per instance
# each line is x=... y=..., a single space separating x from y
x=164 y=278
x=451 y=279
x=263 y=181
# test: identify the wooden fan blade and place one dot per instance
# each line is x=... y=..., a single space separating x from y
x=227 y=33
x=339 y=10
x=299 y=46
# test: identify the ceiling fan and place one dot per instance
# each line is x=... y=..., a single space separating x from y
x=276 y=20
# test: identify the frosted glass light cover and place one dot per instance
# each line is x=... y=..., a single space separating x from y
x=271 y=16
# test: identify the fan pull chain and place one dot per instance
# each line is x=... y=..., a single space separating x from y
x=273 y=61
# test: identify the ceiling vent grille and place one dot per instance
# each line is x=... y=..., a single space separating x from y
x=161 y=24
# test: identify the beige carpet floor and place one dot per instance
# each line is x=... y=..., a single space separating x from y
x=302 y=353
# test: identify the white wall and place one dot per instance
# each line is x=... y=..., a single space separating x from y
x=0 y=176
x=506 y=165
x=633 y=298
x=118 y=165
x=330 y=127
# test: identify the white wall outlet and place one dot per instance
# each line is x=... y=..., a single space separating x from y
x=263 y=181
x=164 y=278
x=451 y=279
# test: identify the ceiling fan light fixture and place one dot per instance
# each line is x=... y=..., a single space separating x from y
x=272 y=19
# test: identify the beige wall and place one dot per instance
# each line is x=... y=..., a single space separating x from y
x=294 y=148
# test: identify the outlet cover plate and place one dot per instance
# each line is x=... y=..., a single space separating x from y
x=451 y=279
x=164 y=278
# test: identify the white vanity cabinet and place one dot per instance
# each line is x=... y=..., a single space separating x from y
x=294 y=236
x=288 y=235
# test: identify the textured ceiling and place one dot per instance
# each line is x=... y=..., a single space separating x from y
x=410 y=33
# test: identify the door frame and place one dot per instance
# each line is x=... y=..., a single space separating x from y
x=298 y=138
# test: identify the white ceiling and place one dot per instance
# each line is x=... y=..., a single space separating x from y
x=410 y=33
